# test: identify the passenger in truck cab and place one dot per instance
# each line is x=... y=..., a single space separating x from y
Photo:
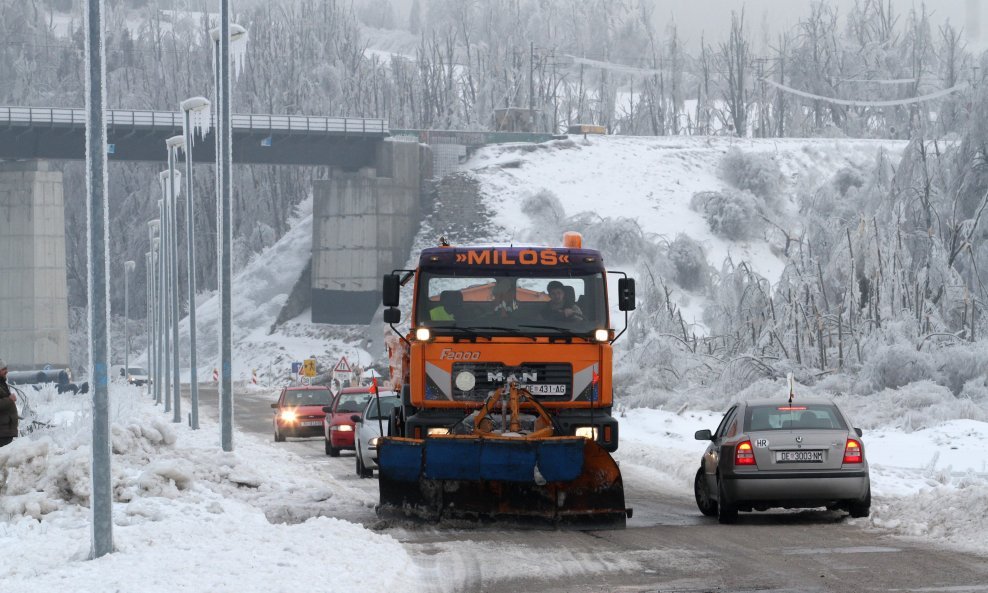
x=562 y=303
x=450 y=304
x=505 y=297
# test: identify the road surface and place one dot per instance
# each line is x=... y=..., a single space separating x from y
x=667 y=546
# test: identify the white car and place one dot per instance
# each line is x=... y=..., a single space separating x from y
x=376 y=415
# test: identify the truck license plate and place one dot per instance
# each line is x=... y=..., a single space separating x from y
x=543 y=389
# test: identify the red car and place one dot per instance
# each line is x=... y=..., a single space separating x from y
x=338 y=426
x=298 y=411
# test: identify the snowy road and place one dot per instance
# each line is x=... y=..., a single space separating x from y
x=667 y=546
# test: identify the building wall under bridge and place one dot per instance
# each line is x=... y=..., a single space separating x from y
x=363 y=226
x=34 y=326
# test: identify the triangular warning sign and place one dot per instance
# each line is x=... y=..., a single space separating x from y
x=342 y=366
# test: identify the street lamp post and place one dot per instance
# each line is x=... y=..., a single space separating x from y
x=174 y=185
x=154 y=231
x=164 y=294
x=129 y=266
x=197 y=105
x=226 y=35
x=147 y=314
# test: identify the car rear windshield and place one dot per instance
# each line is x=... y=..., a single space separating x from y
x=352 y=402
x=790 y=417
x=387 y=404
x=308 y=397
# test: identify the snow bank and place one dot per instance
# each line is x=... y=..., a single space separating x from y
x=187 y=516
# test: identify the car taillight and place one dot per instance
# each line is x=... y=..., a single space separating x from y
x=852 y=452
x=743 y=455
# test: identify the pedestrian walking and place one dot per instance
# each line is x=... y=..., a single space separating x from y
x=8 y=408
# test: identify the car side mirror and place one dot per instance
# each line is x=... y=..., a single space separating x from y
x=703 y=435
x=626 y=294
x=391 y=291
x=274 y=405
x=392 y=315
x=356 y=419
x=327 y=409
x=859 y=431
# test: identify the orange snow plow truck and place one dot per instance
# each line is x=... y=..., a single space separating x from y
x=506 y=387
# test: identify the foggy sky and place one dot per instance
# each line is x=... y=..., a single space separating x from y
x=713 y=17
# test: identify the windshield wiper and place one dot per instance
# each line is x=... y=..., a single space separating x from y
x=509 y=330
x=467 y=330
x=562 y=330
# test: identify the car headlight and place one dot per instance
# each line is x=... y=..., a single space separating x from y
x=342 y=428
x=374 y=442
x=288 y=416
x=435 y=431
x=587 y=432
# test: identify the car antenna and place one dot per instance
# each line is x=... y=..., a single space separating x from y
x=791 y=391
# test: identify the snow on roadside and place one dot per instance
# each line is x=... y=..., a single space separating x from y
x=930 y=484
x=187 y=516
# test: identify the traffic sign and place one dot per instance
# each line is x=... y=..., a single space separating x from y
x=309 y=367
x=342 y=366
x=296 y=367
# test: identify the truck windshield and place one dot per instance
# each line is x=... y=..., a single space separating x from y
x=511 y=304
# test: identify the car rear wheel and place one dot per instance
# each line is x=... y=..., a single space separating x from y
x=860 y=508
x=706 y=504
x=727 y=509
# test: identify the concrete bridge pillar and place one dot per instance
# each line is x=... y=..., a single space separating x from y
x=34 y=326
x=363 y=226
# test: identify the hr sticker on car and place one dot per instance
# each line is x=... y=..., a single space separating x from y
x=761 y=443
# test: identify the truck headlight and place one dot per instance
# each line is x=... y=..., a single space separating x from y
x=423 y=334
x=587 y=432
x=601 y=335
x=437 y=431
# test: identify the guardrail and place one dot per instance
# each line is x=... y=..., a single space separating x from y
x=167 y=119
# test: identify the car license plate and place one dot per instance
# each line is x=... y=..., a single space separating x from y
x=799 y=456
x=312 y=423
x=542 y=389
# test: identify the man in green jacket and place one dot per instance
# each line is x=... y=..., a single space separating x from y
x=8 y=409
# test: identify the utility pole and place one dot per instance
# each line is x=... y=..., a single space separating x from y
x=99 y=215
x=225 y=232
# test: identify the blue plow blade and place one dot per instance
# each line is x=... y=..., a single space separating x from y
x=482 y=459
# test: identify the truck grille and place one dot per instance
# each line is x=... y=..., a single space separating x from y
x=491 y=375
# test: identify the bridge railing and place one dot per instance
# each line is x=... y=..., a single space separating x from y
x=166 y=119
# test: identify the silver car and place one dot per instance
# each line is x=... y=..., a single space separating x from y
x=766 y=454
x=376 y=415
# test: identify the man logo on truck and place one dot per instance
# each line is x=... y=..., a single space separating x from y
x=526 y=377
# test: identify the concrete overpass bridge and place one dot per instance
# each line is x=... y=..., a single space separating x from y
x=365 y=214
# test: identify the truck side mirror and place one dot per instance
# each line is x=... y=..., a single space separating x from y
x=626 y=294
x=391 y=293
x=392 y=315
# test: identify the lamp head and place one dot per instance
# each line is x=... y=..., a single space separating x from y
x=194 y=104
